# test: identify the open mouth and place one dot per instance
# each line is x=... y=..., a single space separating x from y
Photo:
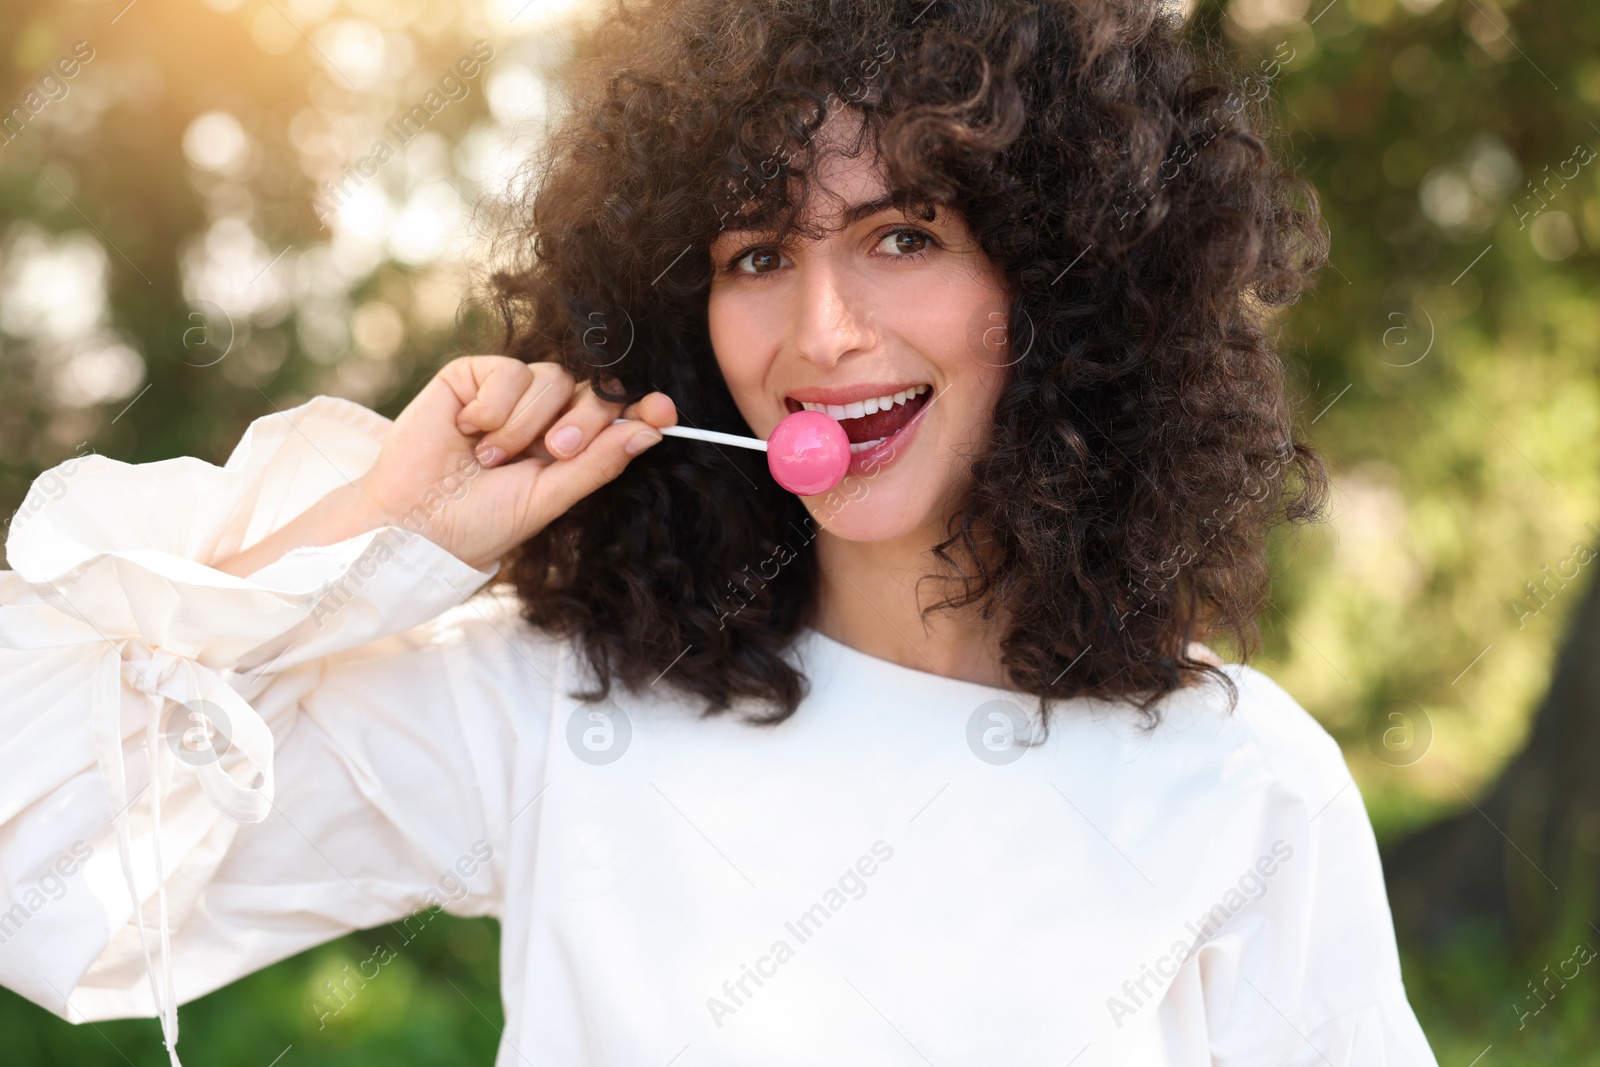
x=869 y=423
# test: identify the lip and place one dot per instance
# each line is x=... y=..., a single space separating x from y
x=874 y=460
x=850 y=394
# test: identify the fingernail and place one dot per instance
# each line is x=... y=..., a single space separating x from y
x=566 y=440
x=489 y=455
x=641 y=441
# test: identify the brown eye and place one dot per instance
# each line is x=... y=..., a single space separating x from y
x=907 y=242
x=759 y=261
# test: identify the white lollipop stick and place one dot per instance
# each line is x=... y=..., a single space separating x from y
x=716 y=437
x=809 y=452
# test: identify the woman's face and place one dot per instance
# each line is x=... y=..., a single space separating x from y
x=886 y=312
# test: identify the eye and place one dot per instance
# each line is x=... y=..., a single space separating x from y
x=764 y=259
x=909 y=242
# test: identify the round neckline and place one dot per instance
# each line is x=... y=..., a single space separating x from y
x=923 y=678
x=932 y=682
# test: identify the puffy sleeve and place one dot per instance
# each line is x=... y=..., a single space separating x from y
x=1308 y=974
x=201 y=774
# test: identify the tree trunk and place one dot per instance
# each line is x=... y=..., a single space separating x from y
x=1527 y=856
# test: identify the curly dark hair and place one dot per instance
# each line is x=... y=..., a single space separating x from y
x=1111 y=163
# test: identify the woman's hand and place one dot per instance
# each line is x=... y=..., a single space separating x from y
x=485 y=456
x=493 y=449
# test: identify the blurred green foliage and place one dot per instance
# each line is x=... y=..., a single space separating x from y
x=433 y=1002
x=1446 y=360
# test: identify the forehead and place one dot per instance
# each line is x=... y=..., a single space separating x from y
x=842 y=173
x=841 y=178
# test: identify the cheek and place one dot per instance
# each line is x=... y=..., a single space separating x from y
x=960 y=330
x=977 y=411
x=742 y=348
x=956 y=317
x=966 y=344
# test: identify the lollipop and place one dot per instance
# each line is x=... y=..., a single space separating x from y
x=808 y=453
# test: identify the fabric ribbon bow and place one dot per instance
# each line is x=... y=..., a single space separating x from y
x=205 y=710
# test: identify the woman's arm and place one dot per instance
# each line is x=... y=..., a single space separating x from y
x=1308 y=975
x=483 y=458
x=344 y=513
x=250 y=764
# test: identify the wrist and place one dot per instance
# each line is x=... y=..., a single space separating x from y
x=362 y=509
x=349 y=511
x=345 y=512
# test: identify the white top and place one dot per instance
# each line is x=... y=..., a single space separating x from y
x=881 y=879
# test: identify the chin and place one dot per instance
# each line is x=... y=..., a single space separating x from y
x=887 y=505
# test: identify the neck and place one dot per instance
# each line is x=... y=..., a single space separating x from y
x=868 y=599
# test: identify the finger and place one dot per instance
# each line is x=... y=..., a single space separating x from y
x=546 y=394
x=567 y=481
x=583 y=422
x=489 y=388
x=657 y=409
x=451 y=392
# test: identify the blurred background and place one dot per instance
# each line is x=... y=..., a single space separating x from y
x=222 y=210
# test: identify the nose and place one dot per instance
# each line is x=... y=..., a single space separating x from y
x=832 y=315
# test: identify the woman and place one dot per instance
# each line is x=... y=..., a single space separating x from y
x=932 y=768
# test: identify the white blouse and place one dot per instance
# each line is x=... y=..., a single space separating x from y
x=889 y=877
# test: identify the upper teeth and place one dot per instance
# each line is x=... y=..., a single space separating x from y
x=865 y=407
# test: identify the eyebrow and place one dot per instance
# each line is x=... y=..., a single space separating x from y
x=856 y=212
x=852 y=214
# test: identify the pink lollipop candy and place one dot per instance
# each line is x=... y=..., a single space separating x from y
x=808 y=453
